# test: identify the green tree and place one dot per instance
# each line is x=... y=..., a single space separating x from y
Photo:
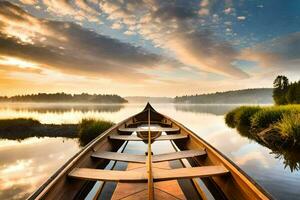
x=293 y=93
x=281 y=85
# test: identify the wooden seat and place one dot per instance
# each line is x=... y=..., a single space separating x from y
x=177 y=155
x=136 y=138
x=108 y=175
x=193 y=172
x=141 y=175
x=142 y=158
x=152 y=129
x=120 y=156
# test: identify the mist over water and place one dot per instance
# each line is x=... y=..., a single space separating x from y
x=26 y=164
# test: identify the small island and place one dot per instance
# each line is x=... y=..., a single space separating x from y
x=66 y=98
x=21 y=128
x=276 y=127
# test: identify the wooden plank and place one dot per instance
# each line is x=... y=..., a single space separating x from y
x=152 y=129
x=136 y=138
x=177 y=155
x=142 y=175
x=162 y=190
x=192 y=172
x=142 y=158
x=107 y=175
x=126 y=157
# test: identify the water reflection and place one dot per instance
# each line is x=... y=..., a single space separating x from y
x=290 y=157
x=25 y=165
x=205 y=108
x=60 y=113
x=60 y=108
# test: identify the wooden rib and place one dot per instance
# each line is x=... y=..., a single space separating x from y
x=136 y=138
x=153 y=129
x=142 y=158
x=141 y=175
x=149 y=163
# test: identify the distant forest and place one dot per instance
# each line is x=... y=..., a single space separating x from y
x=255 y=96
x=144 y=99
x=63 y=97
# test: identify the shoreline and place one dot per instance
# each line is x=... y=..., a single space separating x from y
x=277 y=127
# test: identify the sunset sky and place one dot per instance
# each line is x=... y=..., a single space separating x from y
x=146 y=47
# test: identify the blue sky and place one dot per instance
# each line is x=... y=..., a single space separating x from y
x=146 y=47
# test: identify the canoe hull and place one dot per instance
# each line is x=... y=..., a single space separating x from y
x=234 y=185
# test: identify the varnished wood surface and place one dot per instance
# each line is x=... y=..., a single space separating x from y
x=152 y=129
x=126 y=157
x=234 y=185
x=205 y=171
x=141 y=174
x=177 y=155
x=138 y=191
x=136 y=138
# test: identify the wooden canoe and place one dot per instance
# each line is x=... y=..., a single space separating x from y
x=192 y=170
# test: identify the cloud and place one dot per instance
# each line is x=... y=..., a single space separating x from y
x=201 y=49
x=79 y=9
x=174 y=27
x=29 y=2
x=169 y=25
x=241 y=18
x=228 y=10
x=279 y=53
x=116 y=26
x=69 y=48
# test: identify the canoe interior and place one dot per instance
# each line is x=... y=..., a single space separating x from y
x=104 y=169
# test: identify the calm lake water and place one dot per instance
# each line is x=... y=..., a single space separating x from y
x=26 y=164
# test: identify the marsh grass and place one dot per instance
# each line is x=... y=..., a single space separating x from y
x=250 y=121
x=289 y=126
x=270 y=115
x=229 y=118
x=241 y=116
x=91 y=128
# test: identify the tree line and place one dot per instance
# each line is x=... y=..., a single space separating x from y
x=259 y=95
x=63 y=97
x=285 y=92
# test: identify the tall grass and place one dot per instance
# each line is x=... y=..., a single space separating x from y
x=270 y=115
x=241 y=116
x=251 y=120
x=91 y=128
x=289 y=126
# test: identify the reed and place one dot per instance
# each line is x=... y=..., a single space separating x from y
x=289 y=126
x=91 y=128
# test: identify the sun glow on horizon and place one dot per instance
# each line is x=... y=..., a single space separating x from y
x=23 y=64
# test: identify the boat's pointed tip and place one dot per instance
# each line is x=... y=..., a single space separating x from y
x=148 y=106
